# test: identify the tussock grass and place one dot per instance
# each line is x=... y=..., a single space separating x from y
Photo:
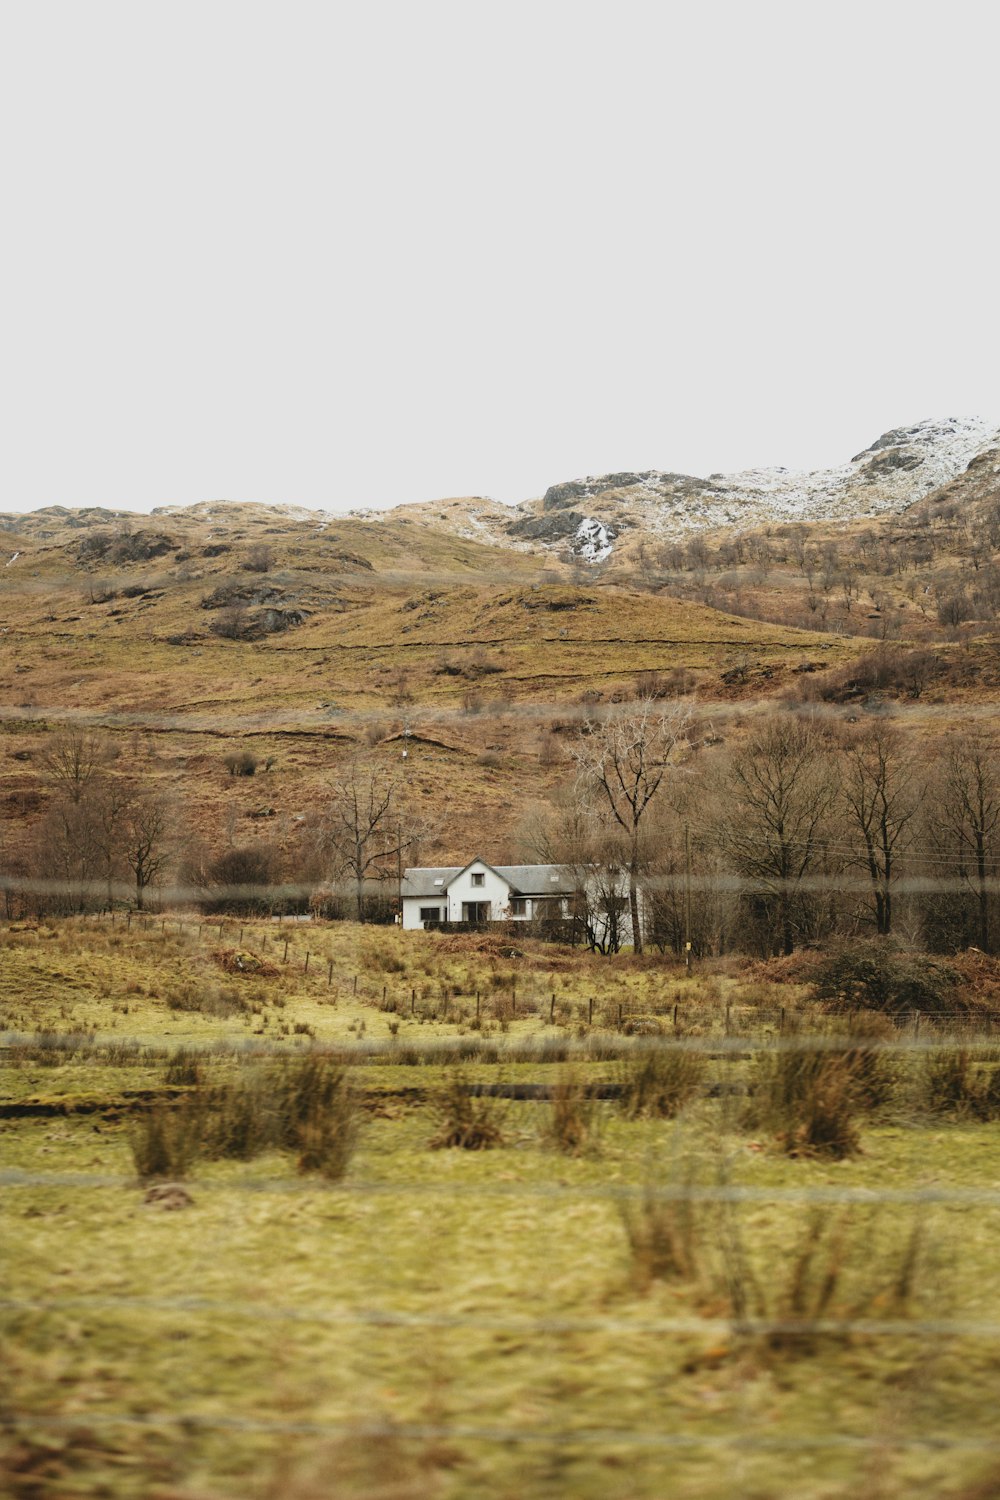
x=466 y=1121
x=829 y=1278
x=667 y=1239
x=165 y=1142
x=660 y=1082
x=572 y=1115
x=949 y=1082
x=184 y=1067
x=808 y=1099
x=305 y=1106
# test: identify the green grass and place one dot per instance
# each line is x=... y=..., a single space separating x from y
x=499 y=1241
x=484 y=1308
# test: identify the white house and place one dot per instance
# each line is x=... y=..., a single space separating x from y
x=479 y=892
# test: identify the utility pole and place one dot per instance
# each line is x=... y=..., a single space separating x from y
x=687 y=895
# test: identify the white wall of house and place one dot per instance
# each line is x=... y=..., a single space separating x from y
x=478 y=884
x=414 y=908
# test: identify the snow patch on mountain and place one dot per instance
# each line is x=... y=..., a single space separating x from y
x=898 y=469
x=592 y=541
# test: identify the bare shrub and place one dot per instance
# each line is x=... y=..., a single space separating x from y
x=880 y=976
x=233 y=623
x=260 y=559
x=242 y=961
x=375 y=733
x=550 y=752
x=208 y=999
x=241 y=763
x=241 y=879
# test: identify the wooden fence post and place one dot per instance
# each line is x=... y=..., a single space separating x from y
x=329 y=974
x=590 y=1011
x=306 y=968
x=552 y=1010
x=284 y=958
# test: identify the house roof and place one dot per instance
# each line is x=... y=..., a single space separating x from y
x=524 y=880
x=540 y=880
x=430 y=881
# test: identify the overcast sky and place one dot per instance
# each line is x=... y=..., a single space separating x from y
x=366 y=253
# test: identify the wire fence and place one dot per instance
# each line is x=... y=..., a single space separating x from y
x=740 y=1033
x=501 y=1436
x=526 y=997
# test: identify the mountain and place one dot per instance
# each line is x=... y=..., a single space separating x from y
x=589 y=516
x=477 y=635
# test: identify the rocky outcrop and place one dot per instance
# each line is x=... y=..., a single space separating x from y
x=548 y=527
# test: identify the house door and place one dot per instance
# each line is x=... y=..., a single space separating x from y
x=475 y=911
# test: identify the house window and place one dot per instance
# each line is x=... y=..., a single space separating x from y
x=430 y=914
x=519 y=906
x=478 y=879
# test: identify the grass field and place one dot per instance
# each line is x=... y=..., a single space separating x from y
x=673 y=1306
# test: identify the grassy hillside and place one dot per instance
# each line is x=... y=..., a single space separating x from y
x=190 y=635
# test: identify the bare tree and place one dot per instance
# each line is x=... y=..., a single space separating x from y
x=103 y=807
x=145 y=837
x=779 y=792
x=564 y=833
x=968 y=816
x=368 y=828
x=622 y=761
x=73 y=757
x=879 y=795
x=68 y=855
